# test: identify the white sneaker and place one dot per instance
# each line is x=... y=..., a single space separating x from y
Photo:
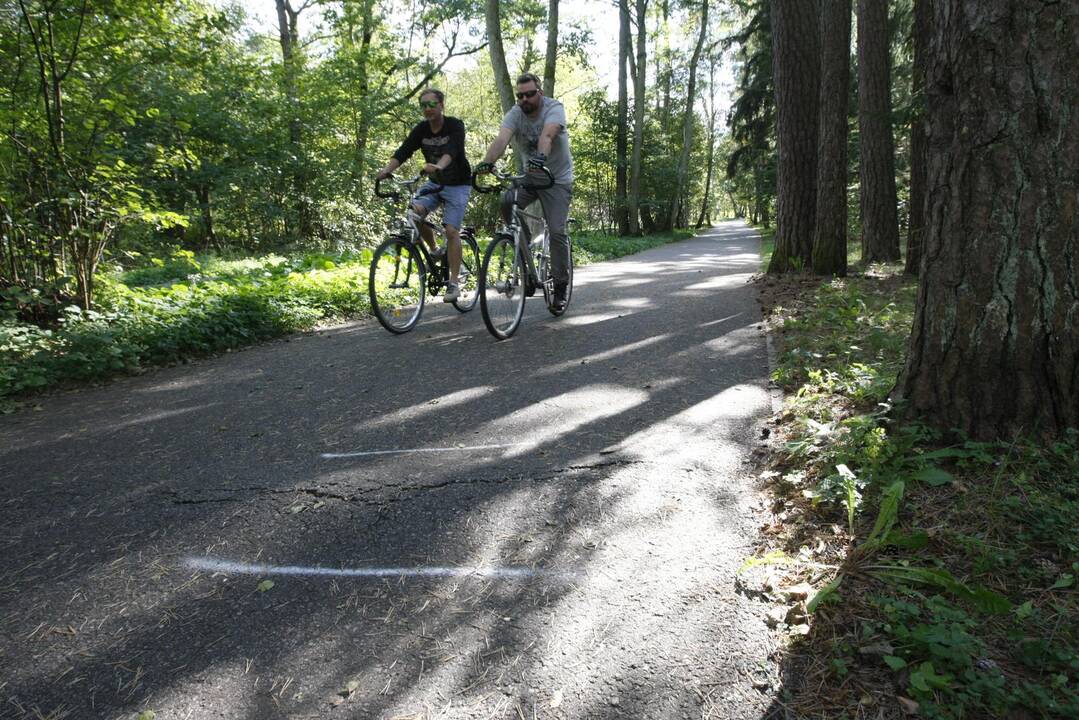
x=453 y=291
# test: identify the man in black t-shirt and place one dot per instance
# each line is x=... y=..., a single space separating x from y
x=442 y=140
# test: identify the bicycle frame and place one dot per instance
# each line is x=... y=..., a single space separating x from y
x=516 y=225
x=410 y=223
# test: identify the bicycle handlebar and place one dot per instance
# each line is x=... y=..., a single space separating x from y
x=517 y=180
x=395 y=194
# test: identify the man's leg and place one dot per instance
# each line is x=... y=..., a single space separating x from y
x=426 y=232
x=455 y=198
x=556 y=211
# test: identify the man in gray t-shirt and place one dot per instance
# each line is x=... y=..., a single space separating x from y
x=537 y=125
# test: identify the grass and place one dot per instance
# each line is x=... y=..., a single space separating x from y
x=945 y=574
x=183 y=306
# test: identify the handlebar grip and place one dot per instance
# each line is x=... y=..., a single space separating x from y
x=550 y=180
x=483 y=188
x=379 y=193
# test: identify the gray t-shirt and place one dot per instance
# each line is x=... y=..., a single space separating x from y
x=526 y=133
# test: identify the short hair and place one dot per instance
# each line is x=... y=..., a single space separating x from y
x=529 y=77
x=434 y=91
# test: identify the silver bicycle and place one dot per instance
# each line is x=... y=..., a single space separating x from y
x=515 y=266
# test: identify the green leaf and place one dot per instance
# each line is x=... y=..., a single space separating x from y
x=1025 y=610
x=889 y=511
x=895 y=663
x=934 y=476
x=823 y=594
x=265 y=585
x=147 y=715
x=1064 y=581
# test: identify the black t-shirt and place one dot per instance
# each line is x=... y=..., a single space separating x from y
x=449 y=140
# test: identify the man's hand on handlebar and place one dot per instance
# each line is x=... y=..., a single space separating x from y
x=383 y=174
x=537 y=162
x=484 y=167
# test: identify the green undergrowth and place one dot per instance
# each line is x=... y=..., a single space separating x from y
x=180 y=308
x=183 y=306
x=597 y=247
x=945 y=571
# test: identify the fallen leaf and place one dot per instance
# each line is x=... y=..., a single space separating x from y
x=556 y=699
x=265 y=585
x=908 y=706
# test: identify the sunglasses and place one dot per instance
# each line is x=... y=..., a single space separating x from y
x=526 y=94
x=428 y=103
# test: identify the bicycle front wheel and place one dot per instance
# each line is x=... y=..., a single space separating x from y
x=502 y=297
x=470 y=274
x=397 y=284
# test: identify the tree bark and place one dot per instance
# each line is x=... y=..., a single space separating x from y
x=552 y=48
x=830 y=235
x=923 y=27
x=880 y=224
x=796 y=76
x=994 y=350
x=675 y=215
x=638 y=118
x=705 y=216
x=498 y=56
x=622 y=133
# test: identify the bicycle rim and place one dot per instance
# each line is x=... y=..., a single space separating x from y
x=470 y=275
x=397 y=285
x=502 y=299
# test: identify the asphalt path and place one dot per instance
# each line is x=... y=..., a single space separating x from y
x=351 y=524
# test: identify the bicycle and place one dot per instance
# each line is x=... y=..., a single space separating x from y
x=511 y=269
x=404 y=270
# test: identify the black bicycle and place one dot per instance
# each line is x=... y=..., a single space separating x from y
x=514 y=266
x=404 y=271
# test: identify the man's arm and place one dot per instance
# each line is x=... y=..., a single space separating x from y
x=547 y=135
x=409 y=146
x=455 y=145
x=501 y=142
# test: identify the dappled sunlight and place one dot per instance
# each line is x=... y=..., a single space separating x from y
x=579 y=320
x=555 y=419
x=437 y=404
x=558 y=368
x=403 y=526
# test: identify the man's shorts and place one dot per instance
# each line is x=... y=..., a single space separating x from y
x=454 y=196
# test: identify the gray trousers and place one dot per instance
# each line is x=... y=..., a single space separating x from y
x=555 y=203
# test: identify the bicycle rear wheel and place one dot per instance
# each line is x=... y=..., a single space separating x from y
x=397 y=284
x=470 y=274
x=502 y=297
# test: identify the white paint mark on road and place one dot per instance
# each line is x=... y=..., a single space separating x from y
x=405 y=451
x=237 y=568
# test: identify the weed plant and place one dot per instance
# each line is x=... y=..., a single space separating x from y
x=955 y=591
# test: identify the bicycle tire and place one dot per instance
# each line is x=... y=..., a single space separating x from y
x=502 y=297
x=470 y=274
x=396 y=301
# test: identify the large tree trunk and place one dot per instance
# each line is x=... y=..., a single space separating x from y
x=638 y=118
x=289 y=35
x=796 y=74
x=705 y=216
x=995 y=347
x=880 y=225
x=923 y=27
x=687 y=124
x=830 y=236
x=498 y=56
x=552 y=48
x=622 y=133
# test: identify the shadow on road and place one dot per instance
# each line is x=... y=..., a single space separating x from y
x=593 y=460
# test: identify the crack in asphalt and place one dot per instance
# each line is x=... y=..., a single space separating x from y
x=397 y=491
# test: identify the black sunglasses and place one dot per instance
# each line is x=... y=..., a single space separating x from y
x=526 y=94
